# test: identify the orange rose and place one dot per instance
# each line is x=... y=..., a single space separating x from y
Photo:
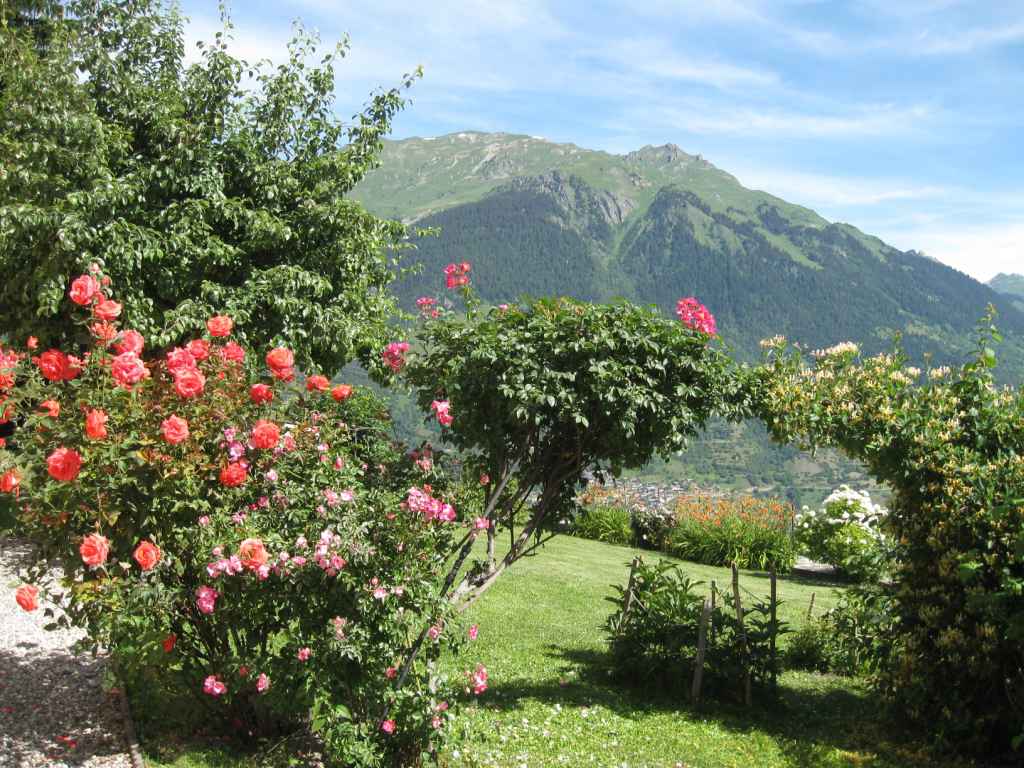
x=265 y=434
x=317 y=383
x=27 y=597
x=107 y=310
x=130 y=341
x=94 y=549
x=198 y=348
x=189 y=382
x=147 y=555
x=127 y=369
x=52 y=408
x=220 y=325
x=261 y=393
x=10 y=481
x=63 y=464
x=95 y=424
x=341 y=392
x=83 y=290
x=253 y=554
x=280 y=362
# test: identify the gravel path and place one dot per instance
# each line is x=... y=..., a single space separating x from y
x=53 y=709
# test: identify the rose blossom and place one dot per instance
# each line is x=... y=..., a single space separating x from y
x=147 y=555
x=261 y=393
x=232 y=352
x=388 y=726
x=479 y=679
x=214 y=687
x=696 y=316
x=52 y=408
x=189 y=382
x=265 y=434
x=473 y=631
x=341 y=392
x=175 y=429
x=130 y=341
x=179 y=360
x=54 y=365
x=304 y=654
x=280 y=361
x=64 y=464
x=262 y=682
x=96 y=424
x=10 y=481
x=199 y=349
x=169 y=642
x=27 y=597
x=390 y=673
x=394 y=355
x=234 y=474
x=128 y=369
x=220 y=325
x=434 y=632
x=94 y=550
x=317 y=383
x=252 y=553
x=83 y=289
x=107 y=309
x=206 y=598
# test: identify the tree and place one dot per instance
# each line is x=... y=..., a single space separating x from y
x=199 y=195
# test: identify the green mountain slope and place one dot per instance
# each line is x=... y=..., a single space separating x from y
x=657 y=224
x=1010 y=285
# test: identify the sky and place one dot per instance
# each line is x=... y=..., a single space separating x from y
x=904 y=118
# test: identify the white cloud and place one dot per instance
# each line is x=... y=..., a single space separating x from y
x=980 y=251
x=823 y=191
x=964 y=41
x=654 y=57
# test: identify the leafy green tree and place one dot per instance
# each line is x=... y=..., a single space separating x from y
x=199 y=193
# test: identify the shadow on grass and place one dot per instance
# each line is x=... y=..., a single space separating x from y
x=811 y=718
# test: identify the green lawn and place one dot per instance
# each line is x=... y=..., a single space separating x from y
x=550 y=702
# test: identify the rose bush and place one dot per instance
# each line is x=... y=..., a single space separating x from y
x=260 y=544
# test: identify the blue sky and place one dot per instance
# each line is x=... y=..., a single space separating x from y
x=902 y=117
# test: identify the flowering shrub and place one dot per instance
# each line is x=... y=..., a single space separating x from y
x=261 y=543
x=950 y=444
x=846 y=532
x=750 y=532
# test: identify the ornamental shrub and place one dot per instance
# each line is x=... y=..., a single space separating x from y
x=750 y=532
x=237 y=532
x=950 y=445
x=846 y=532
x=610 y=524
x=654 y=642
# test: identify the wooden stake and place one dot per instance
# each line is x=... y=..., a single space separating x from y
x=810 y=608
x=702 y=643
x=747 y=696
x=627 y=604
x=714 y=598
x=774 y=631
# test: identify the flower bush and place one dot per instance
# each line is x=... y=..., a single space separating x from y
x=750 y=532
x=232 y=531
x=846 y=532
x=950 y=444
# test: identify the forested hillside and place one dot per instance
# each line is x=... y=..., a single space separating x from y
x=657 y=224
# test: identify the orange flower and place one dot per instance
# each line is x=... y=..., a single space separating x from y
x=220 y=325
x=317 y=383
x=265 y=434
x=64 y=464
x=95 y=424
x=107 y=310
x=341 y=392
x=27 y=597
x=233 y=475
x=94 y=549
x=147 y=555
x=52 y=408
x=253 y=554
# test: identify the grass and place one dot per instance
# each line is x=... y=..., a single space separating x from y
x=551 y=702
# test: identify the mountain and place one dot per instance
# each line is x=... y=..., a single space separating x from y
x=541 y=218
x=1011 y=285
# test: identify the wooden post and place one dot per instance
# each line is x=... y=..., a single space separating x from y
x=810 y=608
x=714 y=599
x=627 y=604
x=702 y=644
x=774 y=631
x=747 y=696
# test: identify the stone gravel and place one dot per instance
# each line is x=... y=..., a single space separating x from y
x=54 y=710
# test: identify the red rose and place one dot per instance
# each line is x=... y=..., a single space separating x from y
x=56 y=366
x=265 y=434
x=107 y=310
x=147 y=555
x=261 y=393
x=130 y=341
x=175 y=429
x=83 y=289
x=189 y=382
x=198 y=348
x=220 y=325
x=27 y=597
x=63 y=464
x=128 y=369
x=317 y=383
x=178 y=360
x=10 y=481
x=342 y=392
x=94 y=549
x=232 y=352
x=169 y=642
x=252 y=553
x=52 y=408
x=233 y=474
x=96 y=424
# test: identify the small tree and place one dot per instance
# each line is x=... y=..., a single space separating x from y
x=199 y=194
x=535 y=395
